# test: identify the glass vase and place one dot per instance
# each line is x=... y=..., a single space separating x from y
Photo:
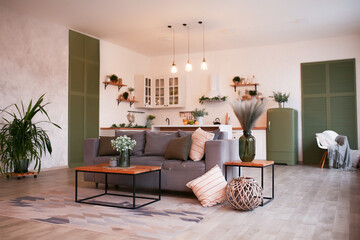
x=247 y=147
x=124 y=159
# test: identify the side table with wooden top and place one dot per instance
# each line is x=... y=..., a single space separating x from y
x=255 y=164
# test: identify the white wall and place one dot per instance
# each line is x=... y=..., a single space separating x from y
x=125 y=64
x=276 y=68
x=34 y=61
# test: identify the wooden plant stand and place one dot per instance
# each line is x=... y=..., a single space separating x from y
x=20 y=175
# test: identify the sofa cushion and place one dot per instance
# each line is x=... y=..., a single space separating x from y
x=185 y=133
x=210 y=187
x=179 y=148
x=199 y=138
x=187 y=166
x=147 y=160
x=138 y=136
x=157 y=142
x=105 y=148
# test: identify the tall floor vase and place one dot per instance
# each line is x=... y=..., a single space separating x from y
x=247 y=147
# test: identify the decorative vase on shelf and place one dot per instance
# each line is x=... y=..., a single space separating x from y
x=247 y=147
x=124 y=159
x=200 y=120
x=281 y=104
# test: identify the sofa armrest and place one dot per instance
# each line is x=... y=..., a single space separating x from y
x=218 y=152
x=91 y=149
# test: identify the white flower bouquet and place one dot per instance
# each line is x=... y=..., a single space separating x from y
x=123 y=143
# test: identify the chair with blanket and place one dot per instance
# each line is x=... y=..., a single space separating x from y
x=324 y=140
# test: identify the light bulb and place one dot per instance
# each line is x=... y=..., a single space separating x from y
x=174 y=68
x=204 y=65
x=188 y=66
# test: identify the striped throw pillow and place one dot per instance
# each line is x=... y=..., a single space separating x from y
x=199 y=138
x=209 y=188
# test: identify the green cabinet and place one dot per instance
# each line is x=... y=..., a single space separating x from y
x=282 y=135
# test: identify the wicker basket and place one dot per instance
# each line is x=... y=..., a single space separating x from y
x=243 y=193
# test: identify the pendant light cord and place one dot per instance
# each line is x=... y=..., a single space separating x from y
x=173 y=45
x=203 y=41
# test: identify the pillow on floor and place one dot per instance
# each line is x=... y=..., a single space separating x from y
x=179 y=148
x=199 y=137
x=105 y=148
x=210 y=187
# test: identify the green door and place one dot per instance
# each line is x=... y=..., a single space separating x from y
x=84 y=66
x=328 y=103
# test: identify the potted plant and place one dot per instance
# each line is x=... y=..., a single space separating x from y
x=252 y=93
x=113 y=78
x=131 y=89
x=124 y=145
x=22 y=140
x=281 y=98
x=248 y=113
x=236 y=80
x=149 y=122
x=198 y=114
x=125 y=95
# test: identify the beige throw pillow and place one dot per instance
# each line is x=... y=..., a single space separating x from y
x=199 y=137
x=209 y=188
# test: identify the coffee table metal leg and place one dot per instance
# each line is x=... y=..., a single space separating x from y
x=76 y=184
x=106 y=184
x=273 y=184
x=262 y=184
x=240 y=171
x=225 y=172
x=159 y=184
x=134 y=189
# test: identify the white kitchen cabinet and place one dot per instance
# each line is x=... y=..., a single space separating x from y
x=260 y=142
x=160 y=92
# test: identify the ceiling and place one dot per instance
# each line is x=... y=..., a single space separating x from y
x=141 y=25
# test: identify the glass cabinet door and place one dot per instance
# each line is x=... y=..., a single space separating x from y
x=159 y=92
x=173 y=91
x=147 y=91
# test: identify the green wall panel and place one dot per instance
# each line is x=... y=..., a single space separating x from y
x=84 y=65
x=341 y=76
x=314 y=79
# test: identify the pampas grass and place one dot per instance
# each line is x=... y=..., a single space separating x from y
x=248 y=112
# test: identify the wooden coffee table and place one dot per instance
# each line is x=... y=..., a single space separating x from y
x=134 y=171
x=255 y=164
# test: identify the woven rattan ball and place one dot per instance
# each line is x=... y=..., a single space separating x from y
x=243 y=193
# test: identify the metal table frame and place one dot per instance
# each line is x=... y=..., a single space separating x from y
x=122 y=195
x=269 y=199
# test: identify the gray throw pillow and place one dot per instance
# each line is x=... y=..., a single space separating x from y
x=157 y=142
x=105 y=148
x=179 y=148
x=138 y=136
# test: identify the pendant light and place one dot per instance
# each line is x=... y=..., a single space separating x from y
x=203 y=64
x=173 y=67
x=188 y=66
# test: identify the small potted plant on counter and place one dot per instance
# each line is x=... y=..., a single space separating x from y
x=149 y=122
x=281 y=98
x=198 y=114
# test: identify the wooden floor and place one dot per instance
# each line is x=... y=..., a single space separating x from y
x=310 y=203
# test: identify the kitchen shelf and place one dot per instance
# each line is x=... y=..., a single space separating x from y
x=114 y=84
x=119 y=100
x=244 y=85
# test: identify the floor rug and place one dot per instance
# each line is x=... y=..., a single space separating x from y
x=161 y=220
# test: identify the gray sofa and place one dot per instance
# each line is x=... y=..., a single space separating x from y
x=174 y=174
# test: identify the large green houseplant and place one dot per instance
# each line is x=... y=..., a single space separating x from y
x=22 y=140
